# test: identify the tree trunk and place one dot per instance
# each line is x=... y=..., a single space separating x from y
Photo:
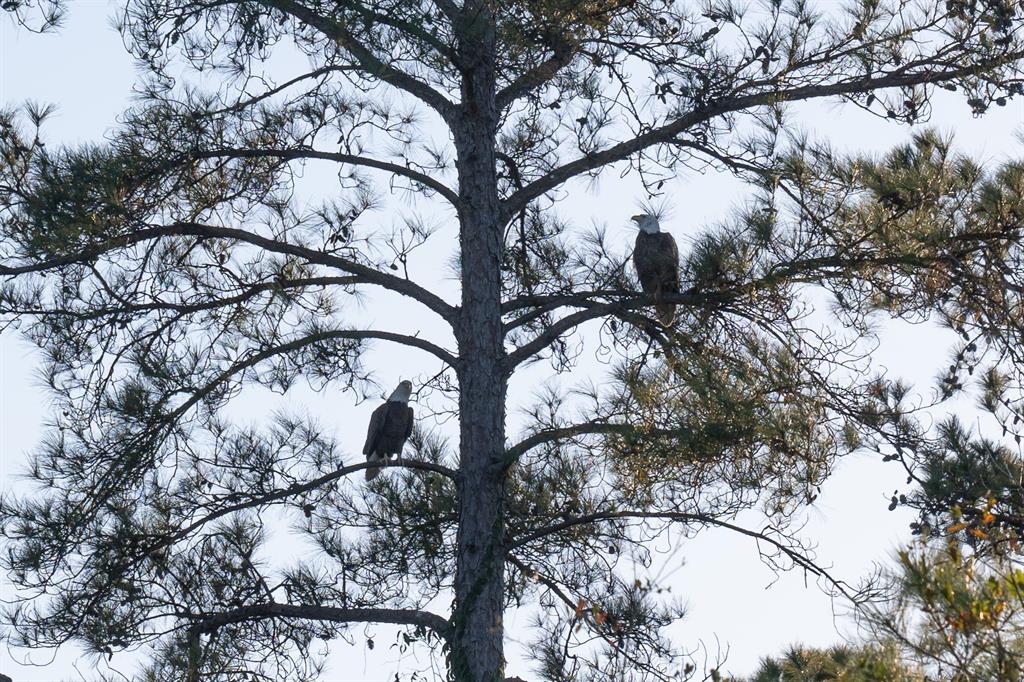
x=477 y=646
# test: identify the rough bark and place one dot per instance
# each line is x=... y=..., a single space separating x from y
x=477 y=646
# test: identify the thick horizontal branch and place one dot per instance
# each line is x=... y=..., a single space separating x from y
x=373 y=65
x=206 y=623
x=542 y=305
x=352 y=159
x=903 y=77
x=369 y=274
x=554 y=301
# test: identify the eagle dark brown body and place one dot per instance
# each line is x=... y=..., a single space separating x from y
x=656 y=258
x=390 y=427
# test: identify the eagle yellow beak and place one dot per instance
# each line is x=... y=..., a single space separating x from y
x=636 y=218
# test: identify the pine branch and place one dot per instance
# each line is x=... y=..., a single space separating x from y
x=593 y=427
x=563 y=54
x=622 y=301
x=255 y=99
x=601 y=631
x=801 y=270
x=289 y=492
x=211 y=622
x=116 y=474
x=406 y=27
x=297 y=344
x=798 y=558
x=182 y=309
x=442 y=354
x=369 y=61
x=666 y=133
x=592 y=311
x=551 y=302
x=368 y=274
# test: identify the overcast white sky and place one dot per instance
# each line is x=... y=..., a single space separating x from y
x=734 y=601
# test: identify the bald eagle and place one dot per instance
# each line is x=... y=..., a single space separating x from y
x=390 y=426
x=656 y=258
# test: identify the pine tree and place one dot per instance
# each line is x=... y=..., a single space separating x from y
x=167 y=269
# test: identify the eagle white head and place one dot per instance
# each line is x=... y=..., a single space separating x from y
x=402 y=393
x=647 y=223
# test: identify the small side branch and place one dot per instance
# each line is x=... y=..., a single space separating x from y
x=282 y=349
x=792 y=554
x=255 y=359
x=371 y=275
x=563 y=54
x=596 y=426
x=184 y=308
x=298 y=154
x=256 y=99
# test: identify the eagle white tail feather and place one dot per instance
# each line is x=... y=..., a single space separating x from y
x=665 y=312
x=372 y=472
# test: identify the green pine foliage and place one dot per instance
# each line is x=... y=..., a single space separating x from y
x=876 y=663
